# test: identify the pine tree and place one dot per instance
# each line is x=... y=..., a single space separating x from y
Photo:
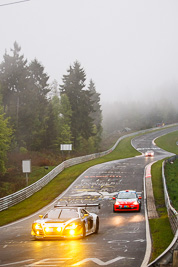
x=24 y=90
x=96 y=114
x=35 y=112
x=13 y=78
x=5 y=138
x=59 y=122
x=79 y=98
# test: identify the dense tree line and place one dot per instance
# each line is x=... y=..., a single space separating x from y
x=31 y=120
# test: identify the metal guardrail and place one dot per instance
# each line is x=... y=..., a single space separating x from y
x=172 y=213
x=167 y=256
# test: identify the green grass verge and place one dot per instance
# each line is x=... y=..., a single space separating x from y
x=161 y=232
x=171 y=173
x=61 y=182
x=168 y=142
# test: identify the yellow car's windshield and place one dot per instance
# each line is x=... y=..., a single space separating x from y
x=62 y=214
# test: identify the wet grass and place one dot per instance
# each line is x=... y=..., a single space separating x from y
x=161 y=232
x=168 y=142
x=171 y=173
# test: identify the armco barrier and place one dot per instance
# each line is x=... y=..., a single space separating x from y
x=172 y=213
x=167 y=256
x=28 y=191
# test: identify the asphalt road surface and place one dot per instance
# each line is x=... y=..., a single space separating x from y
x=121 y=240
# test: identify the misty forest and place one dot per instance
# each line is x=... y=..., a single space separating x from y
x=37 y=116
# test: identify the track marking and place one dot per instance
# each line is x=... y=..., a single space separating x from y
x=17 y=262
x=103 y=194
x=139 y=240
x=49 y=262
x=98 y=261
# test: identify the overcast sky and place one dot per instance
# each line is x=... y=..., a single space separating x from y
x=128 y=47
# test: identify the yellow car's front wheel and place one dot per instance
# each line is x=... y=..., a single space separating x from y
x=84 y=230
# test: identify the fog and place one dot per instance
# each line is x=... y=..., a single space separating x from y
x=129 y=48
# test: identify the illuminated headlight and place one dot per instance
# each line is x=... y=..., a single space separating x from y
x=72 y=232
x=72 y=226
x=37 y=226
x=135 y=202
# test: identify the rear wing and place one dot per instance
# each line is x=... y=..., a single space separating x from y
x=77 y=205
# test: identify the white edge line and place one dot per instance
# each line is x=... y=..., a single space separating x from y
x=148 y=236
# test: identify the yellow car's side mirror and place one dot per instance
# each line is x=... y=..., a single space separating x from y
x=41 y=216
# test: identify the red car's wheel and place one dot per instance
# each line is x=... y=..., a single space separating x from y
x=139 y=208
x=113 y=209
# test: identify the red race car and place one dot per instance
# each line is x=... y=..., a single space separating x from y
x=127 y=200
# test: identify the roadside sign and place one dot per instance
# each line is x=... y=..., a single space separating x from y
x=26 y=166
x=66 y=147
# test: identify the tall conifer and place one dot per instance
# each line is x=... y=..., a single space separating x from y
x=74 y=87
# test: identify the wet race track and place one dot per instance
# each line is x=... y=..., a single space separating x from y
x=121 y=240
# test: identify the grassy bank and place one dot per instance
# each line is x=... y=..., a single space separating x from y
x=61 y=182
x=171 y=173
x=168 y=142
x=161 y=232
